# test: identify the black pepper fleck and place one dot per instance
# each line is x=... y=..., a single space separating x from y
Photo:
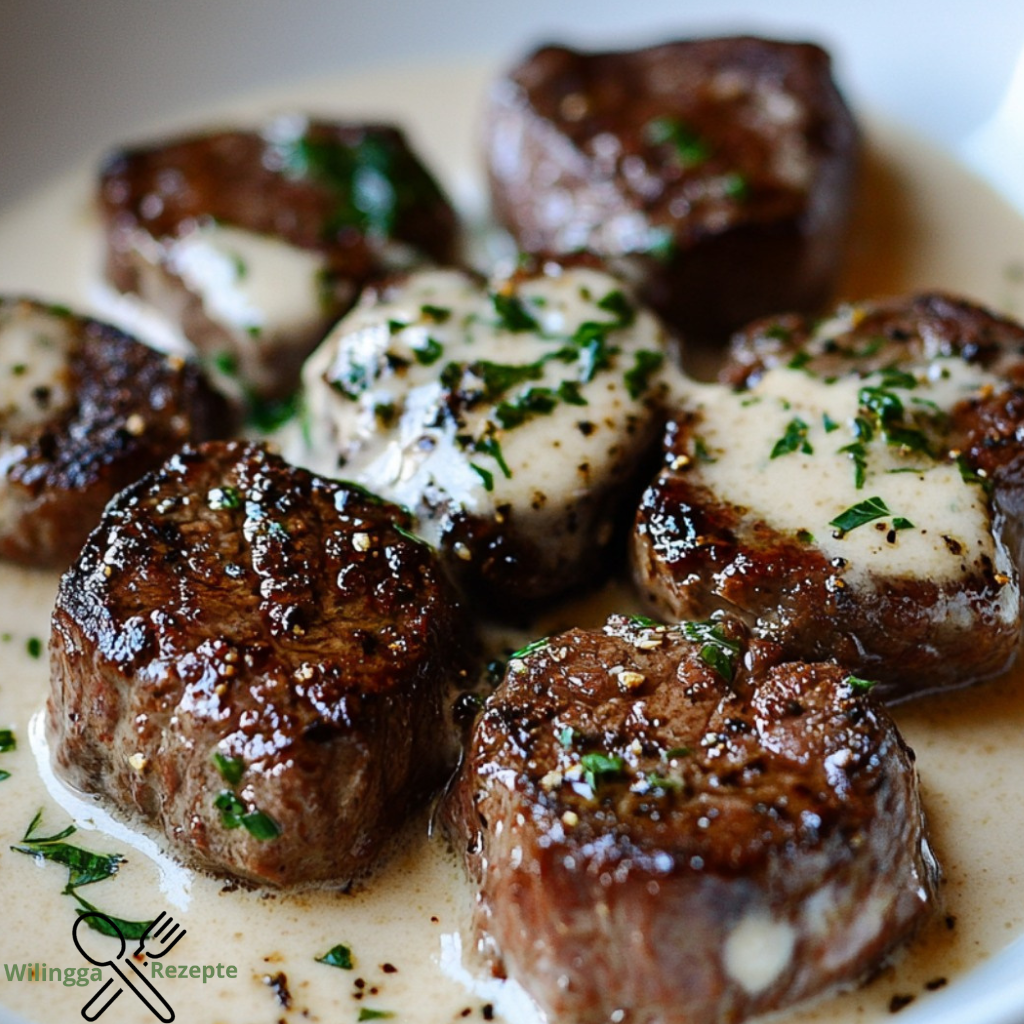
x=898 y=1002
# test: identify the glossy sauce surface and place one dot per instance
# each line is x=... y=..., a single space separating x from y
x=945 y=231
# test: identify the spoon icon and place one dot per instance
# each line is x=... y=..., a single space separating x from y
x=130 y=975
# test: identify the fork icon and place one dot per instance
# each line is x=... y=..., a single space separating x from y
x=161 y=940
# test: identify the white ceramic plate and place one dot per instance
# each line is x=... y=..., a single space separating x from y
x=78 y=78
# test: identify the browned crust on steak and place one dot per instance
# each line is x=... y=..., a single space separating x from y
x=231 y=604
x=128 y=408
x=755 y=223
x=151 y=195
x=760 y=799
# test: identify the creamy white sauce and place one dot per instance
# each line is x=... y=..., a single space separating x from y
x=968 y=744
x=250 y=284
x=377 y=404
x=781 y=451
x=34 y=348
x=757 y=951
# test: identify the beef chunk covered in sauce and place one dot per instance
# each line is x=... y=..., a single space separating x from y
x=255 y=241
x=256 y=662
x=86 y=410
x=858 y=496
x=718 y=173
x=518 y=418
x=670 y=823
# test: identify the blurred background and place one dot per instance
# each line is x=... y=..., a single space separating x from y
x=69 y=71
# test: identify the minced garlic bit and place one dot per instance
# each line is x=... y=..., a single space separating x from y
x=631 y=680
x=361 y=541
x=570 y=818
x=138 y=761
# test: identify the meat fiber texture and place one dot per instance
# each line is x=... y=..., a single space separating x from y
x=672 y=824
x=258 y=663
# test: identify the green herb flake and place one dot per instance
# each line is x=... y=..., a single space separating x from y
x=269 y=414
x=531 y=648
x=569 y=392
x=718 y=652
x=7 y=740
x=261 y=826
x=599 y=768
x=793 y=440
x=688 y=148
x=337 y=956
x=489 y=446
x=859 y=457
x=859 y=685
x=231 y=768
x=828 y=423
x=665 y=784
x=84 y=866
x=701 y=452
x=131 y=930
x=512 y=313
x=858 y=515
x=805 y=536
x=619 y=306
x=429 y=352
x=439 y=314
x=674 y=752
x=500 y=377
x=485 y=475
x=226 y=363
x=368 y=1013
x=799 y=361
x=223 y=497
x=34 y=647
x=4 y=774
x=643 y=620
x=231 y=809
x=735 y=186
x=645 y=365
x=970 y=475
x=899 y=523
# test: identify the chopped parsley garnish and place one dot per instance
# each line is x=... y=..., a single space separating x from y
x=489 y=446
x=859 y=685
x=718 y=652
x=231 y=768
x=828 y=423
x=439 y=314
x=234 y=815
x=374 y=181
x=367 y=1013
x=793 y=440
x=799 y=360
x=429 y=352
x=34 y=647
x=485 y=475
x=7 y=740
x=531 y=648
x=663 y=783
x=599 y=768
x=643 y=620
x=224 y=497
x=899 y=523
x=700 y=450
x=859 y=456
x=532 y=402
x=499 y=377
x=84 y=868
x=619 y=306
x=735 y=186
x=512 y=313
x=337 y=956
x=805 y=536
x=857 y=515
x=970 y=475
x=645 y=365
x=688 y=147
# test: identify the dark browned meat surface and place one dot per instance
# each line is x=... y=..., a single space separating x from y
x=256 y=661
x=719 y=173
x=348 y=192
x=85 y=410
x=695 y=552
x=679 y=827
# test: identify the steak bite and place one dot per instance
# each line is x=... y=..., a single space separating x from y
x=255 y=242
x=858 y=497
x=717 y=173
x=86 y=410
x=256 y=661
x=517 y=419
x=670 y=823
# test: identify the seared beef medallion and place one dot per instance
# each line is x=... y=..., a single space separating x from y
x=518 y=418
x=856 y=493
x=257 y=662
x=672 y=824
x=255 y=242
x=717 y=173
x=86 y=410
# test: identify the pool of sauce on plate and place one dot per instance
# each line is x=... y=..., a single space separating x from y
x=943 y=230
